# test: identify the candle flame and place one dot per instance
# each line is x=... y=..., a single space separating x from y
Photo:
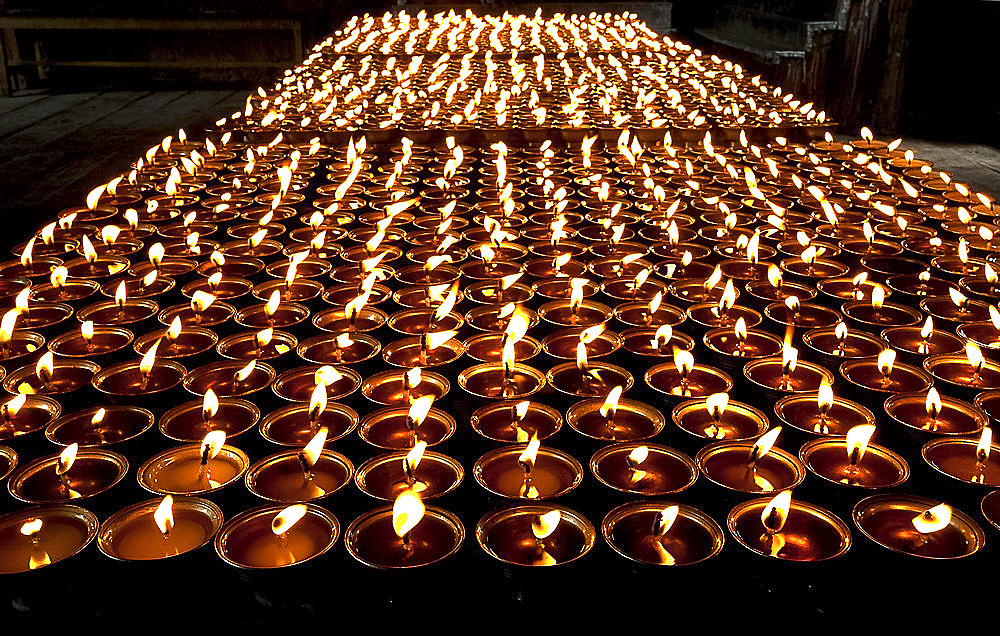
x=212 y=444
x=927 y=329
x=933 y=519
x=856 y=442
x=886 y=358
x=878 y=296
x=407 y=511
x=209 y=405
x=66 y=459
x=764 y=443
x=716 y=405
x=591 y=334
x=164 y=515
x=576 y=292
x=527 y=458
x=448 y=303
x=995 y=317
x=58 y=276
x=13 y=405
x=245 y=372
x=264 y=337
x=610 y=405
x=419 y=409
x=665 y=520
x=789 y=357
x=975 y=356
x=149 y=359
x=7 y=326
x=933 y=403
x=200 y=301
x=45 y=367
x=683 y=362
x=774 y=276
x=284 y=520
x=542 y=526
x=637 y=456
x=775 y=513
x=958 y=298
x=984 y=445
x=121 y=295
x=314 y=448
x=438 y=338
x=31 y=527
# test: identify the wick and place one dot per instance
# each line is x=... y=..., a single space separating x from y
x=307 y=472
x=408 y=472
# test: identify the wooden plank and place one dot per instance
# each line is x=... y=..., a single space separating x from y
x=154 y=24
x=66 y=122
x=192 y=63
x=11 y=104
x=45 y=109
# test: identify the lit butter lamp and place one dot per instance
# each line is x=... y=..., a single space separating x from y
x=823 y=413
x=431 y=474
x=585 y=378
x=969 y=460
x=653 y=313
x=62 y=289
x=276 y=536
x=399 y=388
x=298 y=384
x=834 y=345
x=229 y=379
x=273 y=313
x=885 y=375
x=194 y=469
x=429 y=349
x=746 y=466
x=916 y=343
x=733 y=347
x=91 y=342
x=966 y=375
x=24 y=414
x=658 y=533
x=926 y=415
x=535 y=535
x=297 y=424
x=863 y=465
x=918 y=527
x=986 y=334
x=142 y=378
x=516 y=421
x=159 y=528
x=684 y=379
x=615 y=419
x=72 y=474
x=778 y=377
x=120 y=311
x=41 y=536
x=33 y=315
x=528 y=472
x=407 y=534
x=308 y=474
x=51 y=376
x=717 y=417
x=266 y=344
x=398 y=428
x=100 y=426
x=203 y=310
x=644 y=469
x=780 y=528
x=578 y=312
x=176 y=341
x=879 y=314
x=191 y=421
x=508 y=379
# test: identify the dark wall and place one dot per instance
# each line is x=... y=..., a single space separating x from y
x=950 y=85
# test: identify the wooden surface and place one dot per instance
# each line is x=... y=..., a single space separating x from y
x=56 y=148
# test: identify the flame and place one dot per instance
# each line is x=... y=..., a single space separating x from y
x=284 y=520
x=995 y=317
x=12 y=406
x=933 y=519
x=94 y=196
x=448 y=303
x=327 y=375
x=66 y=459
x=317 y=402
x=45 y=367
x=58 y=276
x=713 y=279
x=775 y=513
x=438 y=338
x=31 y=527
x=212 y=444
x=200 y=301
x=156 y=253
x=407 y=511
x=878 y=296
x=610 y=406
x=149 y=359
x=209 y=405
x=121 y=296
x=314 y=448
x=984 y=445
x=419 y=409
x=26 y=252
x=665 y=520
x=886 y=358
x=148 y=279
x=174 y=330
x=581 y=356
x=789 y=358
x=927 y=329
x=576 y=291
x=7 y=326
x=213 y=281
x=164 y=515
x=637 y=456
x=591 y=334
x=517 y=326
x=774 y=276
x=245 y=372
x=975 y=355
x=764 y=443
x=933 y=403
x=856 y=442
x=963 y=250
x=527 y=458
x=683 y=362
x=728 y=297
x=542 y=526
x=824 y=398
x=716 y=405
x=88 y=250
x=264 y=337
x=958 y=298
